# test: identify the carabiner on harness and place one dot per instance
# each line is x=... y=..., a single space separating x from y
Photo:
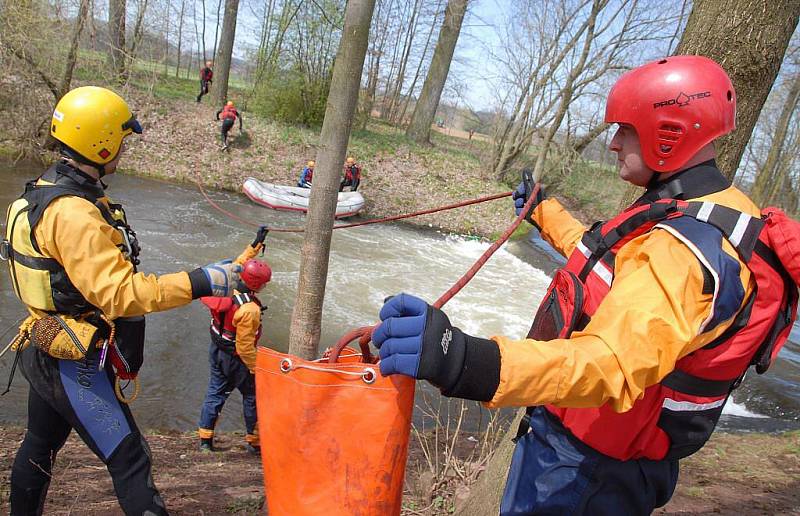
x=5 y=250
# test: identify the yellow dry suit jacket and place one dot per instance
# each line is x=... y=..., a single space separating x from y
x=73 y=232
x=649 y=320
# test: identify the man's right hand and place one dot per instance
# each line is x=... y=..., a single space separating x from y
x=261 y=234
x=220 y=278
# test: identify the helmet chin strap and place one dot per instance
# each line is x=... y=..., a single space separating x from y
x=101 y=168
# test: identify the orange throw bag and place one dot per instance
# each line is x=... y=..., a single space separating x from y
x=334 y=437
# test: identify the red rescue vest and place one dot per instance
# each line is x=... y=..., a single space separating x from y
x=675 y=417
x=222 y=311
x=352 y=173
x=229 y=113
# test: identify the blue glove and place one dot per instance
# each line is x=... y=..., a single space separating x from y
x=417 y=340
x=521 y=196
x=222 y=277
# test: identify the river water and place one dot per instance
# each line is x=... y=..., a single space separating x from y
x=179 y=231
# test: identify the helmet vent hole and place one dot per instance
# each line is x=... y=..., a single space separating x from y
x=730 y=95
x=663 y=61
x=666 y=149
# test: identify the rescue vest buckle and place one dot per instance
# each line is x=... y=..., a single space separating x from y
x=5 y=250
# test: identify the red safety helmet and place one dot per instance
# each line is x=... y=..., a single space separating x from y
x=677 y=105
x=255 y=274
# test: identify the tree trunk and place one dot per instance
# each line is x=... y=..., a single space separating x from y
x=216 y=28
x=767 y=177
x=419 y=129
x=116 y=33
x=203 y=35
x=223 y=60
x=138 y=32
x=579 y=145
x=748 y=38
x=567 y=91
x=411 y=88
x=72 y=54
x=180 y=38
x=307 y=314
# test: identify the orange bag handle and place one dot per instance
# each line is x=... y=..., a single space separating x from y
x=364 y=336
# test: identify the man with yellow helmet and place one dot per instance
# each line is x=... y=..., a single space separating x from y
x=307 y=175
x=72 y=258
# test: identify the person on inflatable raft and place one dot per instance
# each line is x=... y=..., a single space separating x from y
x=620 y=391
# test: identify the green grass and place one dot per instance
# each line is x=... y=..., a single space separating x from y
x=153 y=77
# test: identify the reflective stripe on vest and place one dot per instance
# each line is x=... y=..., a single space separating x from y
x=675 y=417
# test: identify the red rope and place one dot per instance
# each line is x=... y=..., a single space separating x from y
x=364 y=333
x=299 y=229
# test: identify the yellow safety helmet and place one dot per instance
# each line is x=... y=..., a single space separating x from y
x=92 y=122
x=229 y=103
x=350 y=160
x=311 y=163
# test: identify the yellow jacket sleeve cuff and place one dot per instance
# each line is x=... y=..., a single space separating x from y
x=557 y=226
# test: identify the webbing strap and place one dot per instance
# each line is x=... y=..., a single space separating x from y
x=686 y=383
x=740 y=229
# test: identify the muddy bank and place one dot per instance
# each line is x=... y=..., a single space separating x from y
x=744 y=474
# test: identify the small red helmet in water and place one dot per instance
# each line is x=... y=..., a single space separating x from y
x=255 y=274
x=677 y=105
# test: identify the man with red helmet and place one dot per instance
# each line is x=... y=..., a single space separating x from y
x=235 y=330
x=642 y=335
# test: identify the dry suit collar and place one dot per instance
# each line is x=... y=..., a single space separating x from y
x=64 y=173
x=697 y=181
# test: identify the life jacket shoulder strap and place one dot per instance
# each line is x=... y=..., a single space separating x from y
x=242 y=298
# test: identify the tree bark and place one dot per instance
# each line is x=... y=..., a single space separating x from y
x=72 y=54
x=216 y=28
x=222 y=63
x=116 y=32
x=306 y=323
x=769 y=175
x=419 y=129
x=748 y=38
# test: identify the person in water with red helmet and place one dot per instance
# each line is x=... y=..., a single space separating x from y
x=644 y=333
x=229 y=115
x=235 y=330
